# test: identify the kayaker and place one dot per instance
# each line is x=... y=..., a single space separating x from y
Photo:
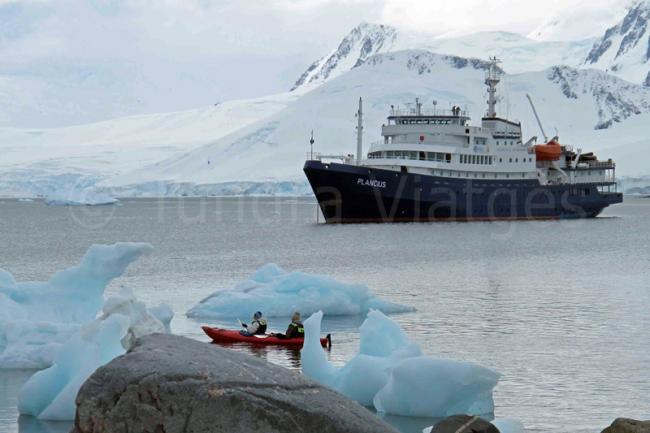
x=295 y=328
x=257 y=326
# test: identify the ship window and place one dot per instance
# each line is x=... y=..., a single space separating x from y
x=497 y=142
x=500 y=159
x=516 y=159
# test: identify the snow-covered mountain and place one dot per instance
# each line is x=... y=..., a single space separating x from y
x=43 y=161
x=624 y=50
x=518 y=53
x=583 y=105
x=258 y=146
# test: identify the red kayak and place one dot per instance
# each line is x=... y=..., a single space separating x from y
x=219 y=335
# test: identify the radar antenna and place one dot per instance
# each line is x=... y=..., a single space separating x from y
x=492 y=78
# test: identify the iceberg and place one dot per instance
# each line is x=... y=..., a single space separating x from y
x=36 y=318
x=279 y=293
x=391 y=374
x=50 y=394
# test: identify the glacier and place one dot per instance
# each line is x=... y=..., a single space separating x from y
x=50 y=394
x=37 y=317
x=391 y=374
x=278 y=293
x=84 y=197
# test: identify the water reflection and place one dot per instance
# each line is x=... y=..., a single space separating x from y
x=28 y=424
x=290 y=356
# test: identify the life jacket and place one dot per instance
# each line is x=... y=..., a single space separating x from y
x=261 y=329
x=297 y=330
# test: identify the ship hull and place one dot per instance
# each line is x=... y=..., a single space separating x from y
x=353 y=194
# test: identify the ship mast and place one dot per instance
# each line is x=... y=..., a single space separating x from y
x=492 y=78
x=359 y=131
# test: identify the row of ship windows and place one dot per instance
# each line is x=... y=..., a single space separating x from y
x=476 y=159
x=440 y=157
x=426 y=122
x=475 y=175
x=405 y=154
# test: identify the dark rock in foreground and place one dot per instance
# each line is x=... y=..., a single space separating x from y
x=170 y=384
x=464 y=424
x=625 y=425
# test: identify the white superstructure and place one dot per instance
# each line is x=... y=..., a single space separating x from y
x=443 y=143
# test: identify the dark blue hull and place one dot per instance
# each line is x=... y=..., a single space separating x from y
x=351 y=194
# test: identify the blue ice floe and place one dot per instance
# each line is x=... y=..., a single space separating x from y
x=50 y=394
x=391 y=374
x=279 y=293
x=36 y=318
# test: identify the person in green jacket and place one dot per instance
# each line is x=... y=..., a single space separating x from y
x=295 y=328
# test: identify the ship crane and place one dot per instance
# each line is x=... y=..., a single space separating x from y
x=539 y=122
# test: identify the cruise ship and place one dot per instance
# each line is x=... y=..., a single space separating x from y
x=433 y=165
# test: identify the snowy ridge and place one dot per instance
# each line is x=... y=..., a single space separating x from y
x=518 y=53
x=362 y=42
x=616 y=100
x=625 y=48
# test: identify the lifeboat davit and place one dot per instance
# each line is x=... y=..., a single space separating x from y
x=550 y=151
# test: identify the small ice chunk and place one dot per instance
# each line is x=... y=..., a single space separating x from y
x=391 y=374
x=37 y=317
x=382 y=345
x=164 y=313
x=279 y=293
x=508 y=425
x=431 y=387
x=50 y=394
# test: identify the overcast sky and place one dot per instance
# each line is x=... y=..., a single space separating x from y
x=233 y=48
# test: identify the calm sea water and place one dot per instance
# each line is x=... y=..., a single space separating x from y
x=560 y=309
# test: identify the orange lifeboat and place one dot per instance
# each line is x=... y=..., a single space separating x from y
x=550 y=151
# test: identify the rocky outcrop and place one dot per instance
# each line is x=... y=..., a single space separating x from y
x=464 y=424
x=171 y=384
x=625 y=425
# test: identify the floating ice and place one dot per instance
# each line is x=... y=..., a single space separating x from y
x=84 y=197
x=390 y=373
x=279 y=293
x=432 y=387
x=508 y=425
x=383 y=344
x=50 y=394
x=37 y=317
